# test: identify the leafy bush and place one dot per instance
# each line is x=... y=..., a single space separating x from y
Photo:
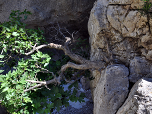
x=16 y=40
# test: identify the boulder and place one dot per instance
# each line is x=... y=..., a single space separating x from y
x=46 y=12
x=139 y=67
x=139 y=100
x=111 y=90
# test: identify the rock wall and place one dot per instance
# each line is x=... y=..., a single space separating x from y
x=46 y=12
x=119 y=33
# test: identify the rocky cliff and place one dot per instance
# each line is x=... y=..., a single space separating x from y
x=46 y=12
x=120 y=34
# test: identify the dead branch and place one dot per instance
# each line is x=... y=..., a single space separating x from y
x=36 y=48
x=84 y=64
x=43 y=83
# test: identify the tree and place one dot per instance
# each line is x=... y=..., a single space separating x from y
x=29 y=82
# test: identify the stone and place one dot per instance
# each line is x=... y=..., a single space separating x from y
x=146 y=41
x=120 y=2
x=111 y=90
x=124 y=50
x=147 y=53
x=85 y=83
x=134 y=25
x=94 y=82
x=150 y=24
x=46 y=12
x=138 y=4
x=139 y=67
x=139 y=100
x=116 y=15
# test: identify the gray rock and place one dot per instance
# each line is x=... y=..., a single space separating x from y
x=111 y=90
x=85 y=83
x=139 y=100
x=128 y=35
x=47 y=11
x=139 y=67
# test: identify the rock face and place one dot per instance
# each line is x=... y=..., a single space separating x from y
x=111 y=90
x=140 y=98
x=46 y=12
x=127 y=32
x=119 y=33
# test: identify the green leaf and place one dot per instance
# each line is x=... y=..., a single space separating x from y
x=5 y=89
x=49 y=106
x=15 y=34
x=73 y=98
x=1 y=71
x=75 y=84
x=58 y=95
x=27 y=99
x=46 y=64
x=57 y=104
x=8 y=35
x=2 y=56
x=58 y=63
x=65 y=102
x=19 y=87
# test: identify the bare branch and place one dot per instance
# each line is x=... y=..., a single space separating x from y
x=31 y=88
x=36 y=48
x=33 y=81
x=43 y=83
x=84 y=64
x=72 y=65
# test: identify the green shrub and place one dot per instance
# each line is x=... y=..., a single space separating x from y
x=16 y=40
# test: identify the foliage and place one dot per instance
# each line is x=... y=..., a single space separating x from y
x=16 y=40
x=146 y=7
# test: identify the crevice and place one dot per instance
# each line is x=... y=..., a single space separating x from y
x=127 y=12
x=148 y=19
x=129 y=90
x=126 y=28
x=118 y=4
x=131 y=84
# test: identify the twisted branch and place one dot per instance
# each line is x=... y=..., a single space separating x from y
x=84 y=64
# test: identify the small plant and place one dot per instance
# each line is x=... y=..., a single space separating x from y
x=31 y=84
x=146 y=8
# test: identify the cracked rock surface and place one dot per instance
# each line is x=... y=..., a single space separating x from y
x=139 y=100
x=117 y=28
